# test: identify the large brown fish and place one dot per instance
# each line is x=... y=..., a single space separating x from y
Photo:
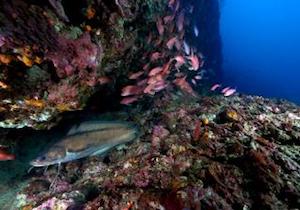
x=87 y=139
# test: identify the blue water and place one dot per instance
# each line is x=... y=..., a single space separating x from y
x=261 y=47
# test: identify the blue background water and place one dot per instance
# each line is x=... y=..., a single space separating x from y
x=261 y=47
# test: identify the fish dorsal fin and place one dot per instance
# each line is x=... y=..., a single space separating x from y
x=91 y=126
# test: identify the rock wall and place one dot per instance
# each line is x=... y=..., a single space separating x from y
x=55 y=59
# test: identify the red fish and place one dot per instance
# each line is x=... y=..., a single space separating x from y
x=215 y=86
x=160 y=27
x=131 y=90
x=129 y=100
x=4 y=155
x=136 y=75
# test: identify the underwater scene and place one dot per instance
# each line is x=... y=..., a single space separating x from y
x=149 y=105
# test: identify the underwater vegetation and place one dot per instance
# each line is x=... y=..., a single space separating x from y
x=113 y=105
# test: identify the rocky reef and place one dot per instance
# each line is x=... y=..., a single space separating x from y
x=212 y=152
x=57 y=56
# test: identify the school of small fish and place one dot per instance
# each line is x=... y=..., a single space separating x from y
x=227 y=91
x=182 y=64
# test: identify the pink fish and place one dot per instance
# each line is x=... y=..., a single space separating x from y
x=170 y=44
x=155 y=71
x=160 y=27
x=131 y=90
x=142 y=83
x=225 y=89
x=168 y=19
x=2 y=41
x=198 y=77
x=154 y=56
x=177 y=6
x=136 y=75
x=149 y=39
x=146 y=66
x=180 y=21
x=155 y=79
x=186 y=48
x=166 y=68
x=215 y=86
x=229 y=92
x=171 y=3
x=179 y=61
x=194 y=62
x=129 y=100
x=184 y=85
x=104 y=80
x=160 y=86
x=149 y=89
x=194 y=82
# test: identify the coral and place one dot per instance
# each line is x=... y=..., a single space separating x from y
x=74 y=56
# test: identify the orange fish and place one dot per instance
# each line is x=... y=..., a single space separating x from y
x=131 y=90
x=5 y=59
x=160 y=27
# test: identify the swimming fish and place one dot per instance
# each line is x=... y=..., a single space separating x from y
x=215 y=86
x=87 y=139
x=229 y=92
x=186 y=48
x=4 y=155
x=196 y=31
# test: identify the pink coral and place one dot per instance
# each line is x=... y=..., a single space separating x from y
x=64 y=93
x=73 y=55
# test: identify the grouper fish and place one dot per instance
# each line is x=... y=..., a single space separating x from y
x=87 y=139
